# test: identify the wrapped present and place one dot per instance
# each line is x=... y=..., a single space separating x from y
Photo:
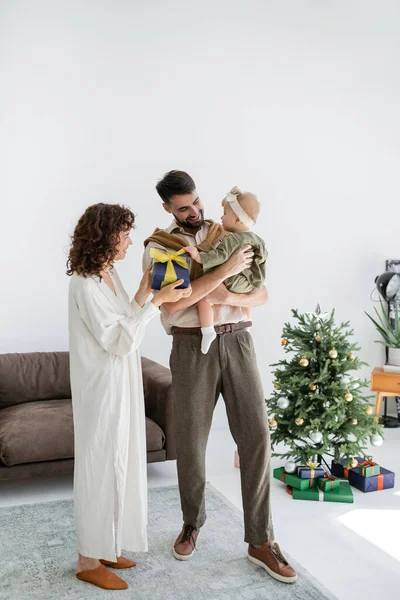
x=328 y=482
x=368 y=468
x=169 y=266
x=382 y=481
x=294 y=480
x=310 y=471
x=340 y=470
x=342 y=494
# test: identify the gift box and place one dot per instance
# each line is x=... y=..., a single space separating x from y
x=368 y=468
x=342 y=494
x=169 y=266
x=383 y=481
x=340 y=470
x=294 y=480
x=328 y=483
x=310 y=472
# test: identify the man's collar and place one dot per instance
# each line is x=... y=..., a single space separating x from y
x=173 y=228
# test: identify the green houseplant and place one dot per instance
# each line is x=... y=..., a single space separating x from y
x=390 y=333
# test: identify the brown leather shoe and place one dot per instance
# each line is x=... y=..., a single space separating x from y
x=270 y=557
x=185 y=543
x=103 y=578
x=122 y=563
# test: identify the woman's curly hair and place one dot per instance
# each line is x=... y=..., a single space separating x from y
x=96 y=236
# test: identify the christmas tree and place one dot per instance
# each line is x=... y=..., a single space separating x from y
x=319 y=406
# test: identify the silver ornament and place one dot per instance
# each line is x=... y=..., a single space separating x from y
x=290 y=466
x=283 y=403
x=345 y=380
x=376 y=440
x=316 y=437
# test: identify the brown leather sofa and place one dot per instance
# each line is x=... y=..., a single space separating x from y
x=36 y=424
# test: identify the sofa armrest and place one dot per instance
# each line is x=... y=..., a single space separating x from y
x=157 y=384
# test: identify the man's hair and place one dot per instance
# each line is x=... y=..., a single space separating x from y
x=174 y=183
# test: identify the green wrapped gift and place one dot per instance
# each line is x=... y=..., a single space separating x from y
x=294 y=480
x=342 y=494
x=328 y=483
x=368 y=468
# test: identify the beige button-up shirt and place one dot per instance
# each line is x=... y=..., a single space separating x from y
x=189 y=317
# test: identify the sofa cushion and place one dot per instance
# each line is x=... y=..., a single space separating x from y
x=155 y=437
x=33 y=376
x=36 y=431
x=41 y=431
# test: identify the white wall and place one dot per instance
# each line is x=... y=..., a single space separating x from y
x=297 y=101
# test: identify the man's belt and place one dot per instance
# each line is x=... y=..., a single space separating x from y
x=227 y=328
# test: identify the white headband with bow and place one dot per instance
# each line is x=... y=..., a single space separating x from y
x=238 y=210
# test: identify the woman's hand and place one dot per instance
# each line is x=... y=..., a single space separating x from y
x=238 y=262
x=144 y=287
x=169 y=293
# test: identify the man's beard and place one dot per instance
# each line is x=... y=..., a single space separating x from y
x=190 y=224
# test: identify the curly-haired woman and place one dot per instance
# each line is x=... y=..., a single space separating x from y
x=106 y=329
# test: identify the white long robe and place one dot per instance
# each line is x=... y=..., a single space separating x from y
x=110 y=479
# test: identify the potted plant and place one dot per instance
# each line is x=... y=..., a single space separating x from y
x=390 y=333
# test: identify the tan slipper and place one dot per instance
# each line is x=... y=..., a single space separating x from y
x=103 y=578
x=122 y=563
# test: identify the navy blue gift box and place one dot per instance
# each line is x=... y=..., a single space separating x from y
x=340 y=470
x=383 y=481
x=158 y=274
x=305 y=472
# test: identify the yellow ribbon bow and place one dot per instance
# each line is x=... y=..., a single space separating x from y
x=169 y=256
x=312 y=466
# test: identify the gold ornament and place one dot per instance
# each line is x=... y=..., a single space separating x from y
x=273 y=424
x=354 y=463
x=354 y=421
x=317 y=338
x=284 y=342
x=299 y=421
x=348 y=397
x=304 y=362
x=351 y=357
x=333 y=353
x=277 y=386
x=312 y=387
x=369 y=410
